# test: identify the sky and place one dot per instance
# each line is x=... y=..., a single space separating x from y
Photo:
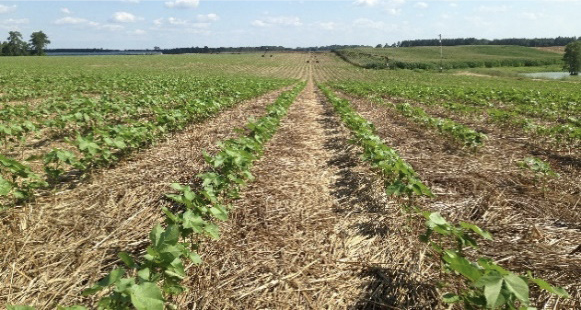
x=143 y=24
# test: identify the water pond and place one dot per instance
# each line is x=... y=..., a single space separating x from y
x=550 y=75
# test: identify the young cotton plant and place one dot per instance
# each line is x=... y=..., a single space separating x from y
x=488 y=285
x=400 y=178
x=161 y=270
x=17 y=181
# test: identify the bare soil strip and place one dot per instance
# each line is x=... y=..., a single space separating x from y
x=54 y=248
x=537 y=226
x=314 y=231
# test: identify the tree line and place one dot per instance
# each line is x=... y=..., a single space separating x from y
x=16 y=46
x=536 y=42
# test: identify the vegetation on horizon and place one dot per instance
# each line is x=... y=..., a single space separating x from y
x=15 y=46
x=572 y=57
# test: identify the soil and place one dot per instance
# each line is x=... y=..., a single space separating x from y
x=314 y=231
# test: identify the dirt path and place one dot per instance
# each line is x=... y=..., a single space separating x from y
x=314 y=231
x=53 y=249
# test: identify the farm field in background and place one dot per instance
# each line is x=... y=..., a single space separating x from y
x=467 y=56
x=296 y=180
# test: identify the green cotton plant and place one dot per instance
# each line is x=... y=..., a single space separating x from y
x=55 y=160
x=489 y=286
x=538 y=166
x=469 y=137
x=17 y=180
x=193 y=218
x=506 y=106
x=399 y=177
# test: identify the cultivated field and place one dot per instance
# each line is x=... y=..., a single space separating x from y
x=467 y=56
x=296 y=181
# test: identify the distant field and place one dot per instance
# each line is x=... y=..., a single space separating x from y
x=554 y=49
x=471 y=56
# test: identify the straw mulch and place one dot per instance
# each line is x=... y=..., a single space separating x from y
x=52 y=249
x=536 y=225
x=314 y=231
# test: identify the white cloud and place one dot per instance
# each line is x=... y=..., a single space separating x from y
x=368 y=23
x=208 y=18
x=258 y=23
x=493 y=9
x=366 y=2
x=109 y=27
x=327 y=25
x=12 y=24
x=66 y=11
x=531 y=16
x=82 y=22
x=7 y=9
x=137 y=32
x=130 y=1
x=182 y=4
x=393 y=7
x=70 y=21
x=421 y=5
x=12 y=21
x=454 y=4
x=278 y=20
x=174 y=22
x=124 y=17
x=177 y=21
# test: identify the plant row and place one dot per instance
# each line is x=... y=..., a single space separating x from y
x=146 y=281
x=540 y=101
x=101 y=145
x=68 y=114
x=569 y=131
x=465 y=135
x=487 y=284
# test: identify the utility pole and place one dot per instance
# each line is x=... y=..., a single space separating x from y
x=441 y=55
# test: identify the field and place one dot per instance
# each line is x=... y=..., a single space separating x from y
x=453 y=57
x=296 y=181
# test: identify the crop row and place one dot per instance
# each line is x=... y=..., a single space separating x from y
x=569 y=131
x=141 y=99
x=96 y=144
x=145 y=280
x=547 y=104
x=488 y=285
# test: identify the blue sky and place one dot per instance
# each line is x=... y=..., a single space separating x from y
x=135 y=24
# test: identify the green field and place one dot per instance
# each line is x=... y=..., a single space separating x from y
x=469 y=56
x=237 y=181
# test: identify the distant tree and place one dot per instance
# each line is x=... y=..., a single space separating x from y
x=15 y=46
x=572 y=57
x=379 y=46
x=38 y=41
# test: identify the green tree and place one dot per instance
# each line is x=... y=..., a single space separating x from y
x=38 y=41
x=572 y=57
x=15 y=46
